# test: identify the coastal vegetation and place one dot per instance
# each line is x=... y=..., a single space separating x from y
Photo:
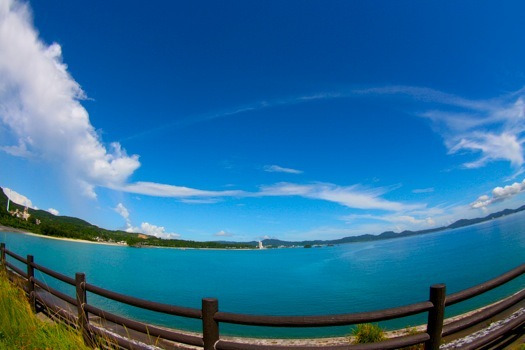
x=21 y=329
x=45 y=223
x=368 y=333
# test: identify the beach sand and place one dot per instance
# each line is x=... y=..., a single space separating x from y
x=15 y=230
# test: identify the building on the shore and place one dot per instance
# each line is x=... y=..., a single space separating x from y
x=24 y=215
x=261 y=245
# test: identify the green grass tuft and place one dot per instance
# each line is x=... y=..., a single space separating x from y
x=368 y=333
x=21 y=329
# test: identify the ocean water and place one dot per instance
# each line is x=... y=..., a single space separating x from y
x=330 y=280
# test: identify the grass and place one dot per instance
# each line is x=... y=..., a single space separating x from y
x=21 y=329
x=368 y=333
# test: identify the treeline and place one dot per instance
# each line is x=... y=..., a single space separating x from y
x=178 y=243
x=70 y=227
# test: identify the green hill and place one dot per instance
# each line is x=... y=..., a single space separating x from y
x=45 y=223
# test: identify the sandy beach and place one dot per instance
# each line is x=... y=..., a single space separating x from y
x=15 y=230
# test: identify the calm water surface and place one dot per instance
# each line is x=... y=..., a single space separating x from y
x=340 y=279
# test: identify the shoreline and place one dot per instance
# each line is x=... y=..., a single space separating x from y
x=114 y=244
x=16 y=230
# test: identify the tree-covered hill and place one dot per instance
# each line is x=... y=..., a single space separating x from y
x=45 y=223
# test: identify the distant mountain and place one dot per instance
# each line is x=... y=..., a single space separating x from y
x=386 y=234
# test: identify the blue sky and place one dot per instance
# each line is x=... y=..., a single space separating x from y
x=247 y=119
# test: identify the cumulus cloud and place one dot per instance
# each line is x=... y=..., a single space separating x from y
x=349 y=196
x=40 y=106
x=498 y=194
x=223 y=233
x=18 y=198
x=145 y=228
x=279 y=169
x=153 y=230
x=53 y=211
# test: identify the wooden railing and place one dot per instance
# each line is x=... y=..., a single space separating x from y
x=211 y=317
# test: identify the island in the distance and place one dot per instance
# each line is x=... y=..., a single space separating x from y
x=47 y=224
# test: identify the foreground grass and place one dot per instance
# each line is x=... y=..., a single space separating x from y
x=20 y=329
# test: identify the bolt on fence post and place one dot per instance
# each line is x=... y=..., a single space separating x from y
x=210 y=327
x=2 y=249
x=31 y=282
x=436 y=316
x=83 y=318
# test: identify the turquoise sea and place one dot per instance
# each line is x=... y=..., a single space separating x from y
x=296 y=281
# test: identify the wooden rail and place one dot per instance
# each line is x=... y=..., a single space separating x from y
x=211 y=317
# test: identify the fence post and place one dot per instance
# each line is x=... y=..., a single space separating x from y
x=210 y=327
x=83 y=319
x=436 y=316
x=31 y=282
x=2 y=249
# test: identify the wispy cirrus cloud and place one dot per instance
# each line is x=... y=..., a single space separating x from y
x=493 y=128
x=42 y=117
x=163 y=190
x=423 y=190
x=354 y=196
x=280 y=169
x=395 y=218
x=350 y=196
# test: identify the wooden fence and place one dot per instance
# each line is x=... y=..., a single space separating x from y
x=211 y=316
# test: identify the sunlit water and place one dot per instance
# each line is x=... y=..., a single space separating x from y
x=329 y=280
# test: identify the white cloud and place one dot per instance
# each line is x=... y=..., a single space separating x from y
x=499 y=194
x=163 y=190
x=200 y=201
x=349 y=196
x=423 y=190
x=153 y=230
x=493 y=147
x=145 y=228
x=223 y=233
x=492 y=128
x=279 y=169
x=396 y=218
x=40 y=106
x=53 y=211
x=122 y=211
x=18 y=198
x=494 y=132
